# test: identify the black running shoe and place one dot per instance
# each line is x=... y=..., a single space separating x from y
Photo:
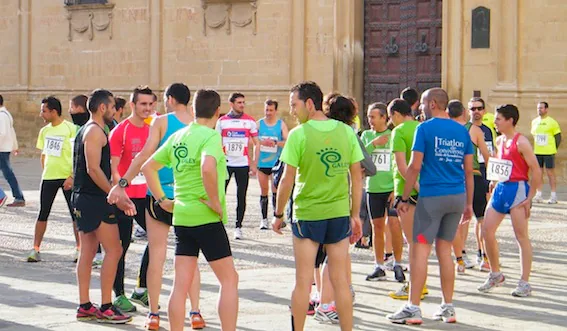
x=378 y=274
x=399 y=273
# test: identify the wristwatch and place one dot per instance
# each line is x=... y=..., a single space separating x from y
x=278 y=216
x=157 y=202
x=122 y=182
x=398 y=201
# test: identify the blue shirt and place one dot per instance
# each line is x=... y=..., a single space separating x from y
x=269 y=155
x=166 y=174
x=444 y=144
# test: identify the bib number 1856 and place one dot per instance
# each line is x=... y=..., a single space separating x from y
x=499 y=170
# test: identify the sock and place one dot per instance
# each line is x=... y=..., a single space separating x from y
x=378 y=265
x=484 y=256
x=292 y=326
x=554 y=195
x=464 y=252
x=105 y=306
x=459 y=259
x=447 y=304
x=86 y=306
x=396 y=263
x=36 y=248
x=274 y=199
x=387 y=255
x=195 y=311
x=264 y=206
x=538 y=193
x=325 y=306
x=479 y=253
x=139 y=290
x=412 y=307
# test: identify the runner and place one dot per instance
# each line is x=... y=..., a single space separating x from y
x=9 y=145
x=126 y=141
x=321 y=198
x=242 y=148
x=120 y=103
x=547 y=137
x=176 y=98
x=380 y=188
x=54 y=141
x=476 y=113
x=95 y=219
x=199 y=169
x=511 y=195
x=442 y=156
x=411 y=96
x=272 y=133
x=456 y=112
x=401 y=115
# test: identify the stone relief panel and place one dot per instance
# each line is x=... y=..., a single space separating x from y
x=88 y=18
x=227 y=13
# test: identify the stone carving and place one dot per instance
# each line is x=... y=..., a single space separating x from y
x=225 y=13
x=91 y=21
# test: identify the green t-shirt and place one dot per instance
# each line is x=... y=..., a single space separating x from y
x=402 y=141
x=383 y=181
x=184 y=151
x=322 y=152
x=55 y=144
x=544 y=131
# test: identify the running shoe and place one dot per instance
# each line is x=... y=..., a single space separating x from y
x=552 y=201
x=460 y=267
x=523 y=289
x=197 y=321
x=238 y=233
x=17 y=203
x=140 y=298
x=484 y=266
x=352 y=293
x=112 y=315
x=34 y=256
x=124 y=304
x=468 y=263
x=406 y=315
x=312 y=306
x=327 y=316
x=399 y=273
x=493 y=280
x=264 y=224
x=140 y=234
x=97 y=262
x=537 y=198
x=479 y=259
x=3 y=201
x=84 y=315
x=377 y=274
x=445 y=313
x=403 y=293
x=152 y=322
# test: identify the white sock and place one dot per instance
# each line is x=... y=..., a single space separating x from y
x=411 y=306
x=378 y=265
x=139 y=290
x=538 y=193
x=554 y=195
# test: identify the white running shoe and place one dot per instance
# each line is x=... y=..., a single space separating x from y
x=468 y=263
x=238 y=233
x=264 y=224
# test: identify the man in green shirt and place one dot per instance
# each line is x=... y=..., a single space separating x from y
x=319 y=155
x=199 y=208
x=54 y=141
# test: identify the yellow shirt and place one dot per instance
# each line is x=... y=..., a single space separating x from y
x=544 y=131
x=488 y=120
x=55 y=144
x=356 y=124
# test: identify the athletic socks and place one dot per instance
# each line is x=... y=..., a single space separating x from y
x=264 y=206
x=139 y=290
x=274 y=200
x=86 y=306
x=105 y=307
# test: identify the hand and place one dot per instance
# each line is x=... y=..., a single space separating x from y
x=213 y=205
x=467 y=214
x=392 y=199
x=15 y=152
x=268 y=142
x=253 y=170
x=382 y=140
x=116 y=194
x=277 y=225
x=416 y=186
x=527 y=205
x=356 y=226
x=491 y=187
x=127 y=206
x=68 y=184
x=167 y=205
x=403 y=207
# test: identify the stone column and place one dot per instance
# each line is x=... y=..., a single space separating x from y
x=24 y=44
x=452 y=49
x=297 y=49
x=156 y=8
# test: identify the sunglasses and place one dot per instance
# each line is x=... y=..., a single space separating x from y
x=476 y=108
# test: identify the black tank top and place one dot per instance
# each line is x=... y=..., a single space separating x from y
x=83 y=183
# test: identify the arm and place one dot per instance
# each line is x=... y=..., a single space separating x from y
x=210 y=182
x=284 y=192
x=42 y=160
x=150 y=170
x=469 y=185
x=114 y=161
x=411 y=172
x=285 y=132
x=149 y=148
x=253 y=143
x=557 y=140
x=94 y=141
x=367 y=164
x=479 y=140
x=527 y=152
x=355 y=189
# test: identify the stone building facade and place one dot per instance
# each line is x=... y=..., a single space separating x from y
x=262 y=47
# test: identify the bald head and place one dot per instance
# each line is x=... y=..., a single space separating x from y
x=434 y=102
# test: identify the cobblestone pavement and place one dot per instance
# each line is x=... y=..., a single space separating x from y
x=43 y=296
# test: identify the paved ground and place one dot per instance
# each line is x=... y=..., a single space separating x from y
x=43 y=296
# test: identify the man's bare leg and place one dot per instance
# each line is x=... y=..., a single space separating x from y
x=338 y=256
x=228 y=295
x=305 y=251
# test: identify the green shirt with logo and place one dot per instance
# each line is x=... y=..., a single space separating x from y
x=184 y=152
x=383 y=181
x=322 y=152
x=402 y=141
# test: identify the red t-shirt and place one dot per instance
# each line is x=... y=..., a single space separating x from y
x=126 y=141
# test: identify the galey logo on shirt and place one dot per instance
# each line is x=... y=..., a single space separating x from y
x=236 y=134
x=180 y=152
x=331 y=158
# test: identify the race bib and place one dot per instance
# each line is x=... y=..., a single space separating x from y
x=268 y=149
x=541 y=139
x=53 y=146
x=479 y=154
x=499 y=170
x=72 y=141
x=382 y=159
x=139 y=179
x=234 y=148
